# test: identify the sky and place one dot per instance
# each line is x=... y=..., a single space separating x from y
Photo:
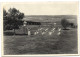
x=45 y=8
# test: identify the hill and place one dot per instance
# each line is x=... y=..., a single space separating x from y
x=50 y=18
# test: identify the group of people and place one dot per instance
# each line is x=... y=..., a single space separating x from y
x=48 y=31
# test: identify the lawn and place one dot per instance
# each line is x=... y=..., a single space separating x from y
x=66 y=43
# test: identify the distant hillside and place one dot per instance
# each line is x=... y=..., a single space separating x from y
x=53 y=16
x=50 y=18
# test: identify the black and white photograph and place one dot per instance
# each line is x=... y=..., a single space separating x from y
x=40 y=28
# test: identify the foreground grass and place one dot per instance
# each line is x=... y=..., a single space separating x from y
x=66 y=43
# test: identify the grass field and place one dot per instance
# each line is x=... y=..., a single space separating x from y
x=65 y=43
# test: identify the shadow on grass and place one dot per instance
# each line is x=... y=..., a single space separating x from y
x=66 y=29
x=12 y=33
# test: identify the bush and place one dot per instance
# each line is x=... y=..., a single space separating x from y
x=65 y=23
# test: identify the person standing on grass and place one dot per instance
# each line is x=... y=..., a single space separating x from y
x=29 y=32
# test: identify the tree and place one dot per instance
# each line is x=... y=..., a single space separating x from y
x=14 y=18
x=4 y=19
x=64 y=23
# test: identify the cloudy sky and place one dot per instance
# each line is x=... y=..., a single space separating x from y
x=45 y=8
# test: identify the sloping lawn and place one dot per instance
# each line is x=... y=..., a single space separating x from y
x=66 y=43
